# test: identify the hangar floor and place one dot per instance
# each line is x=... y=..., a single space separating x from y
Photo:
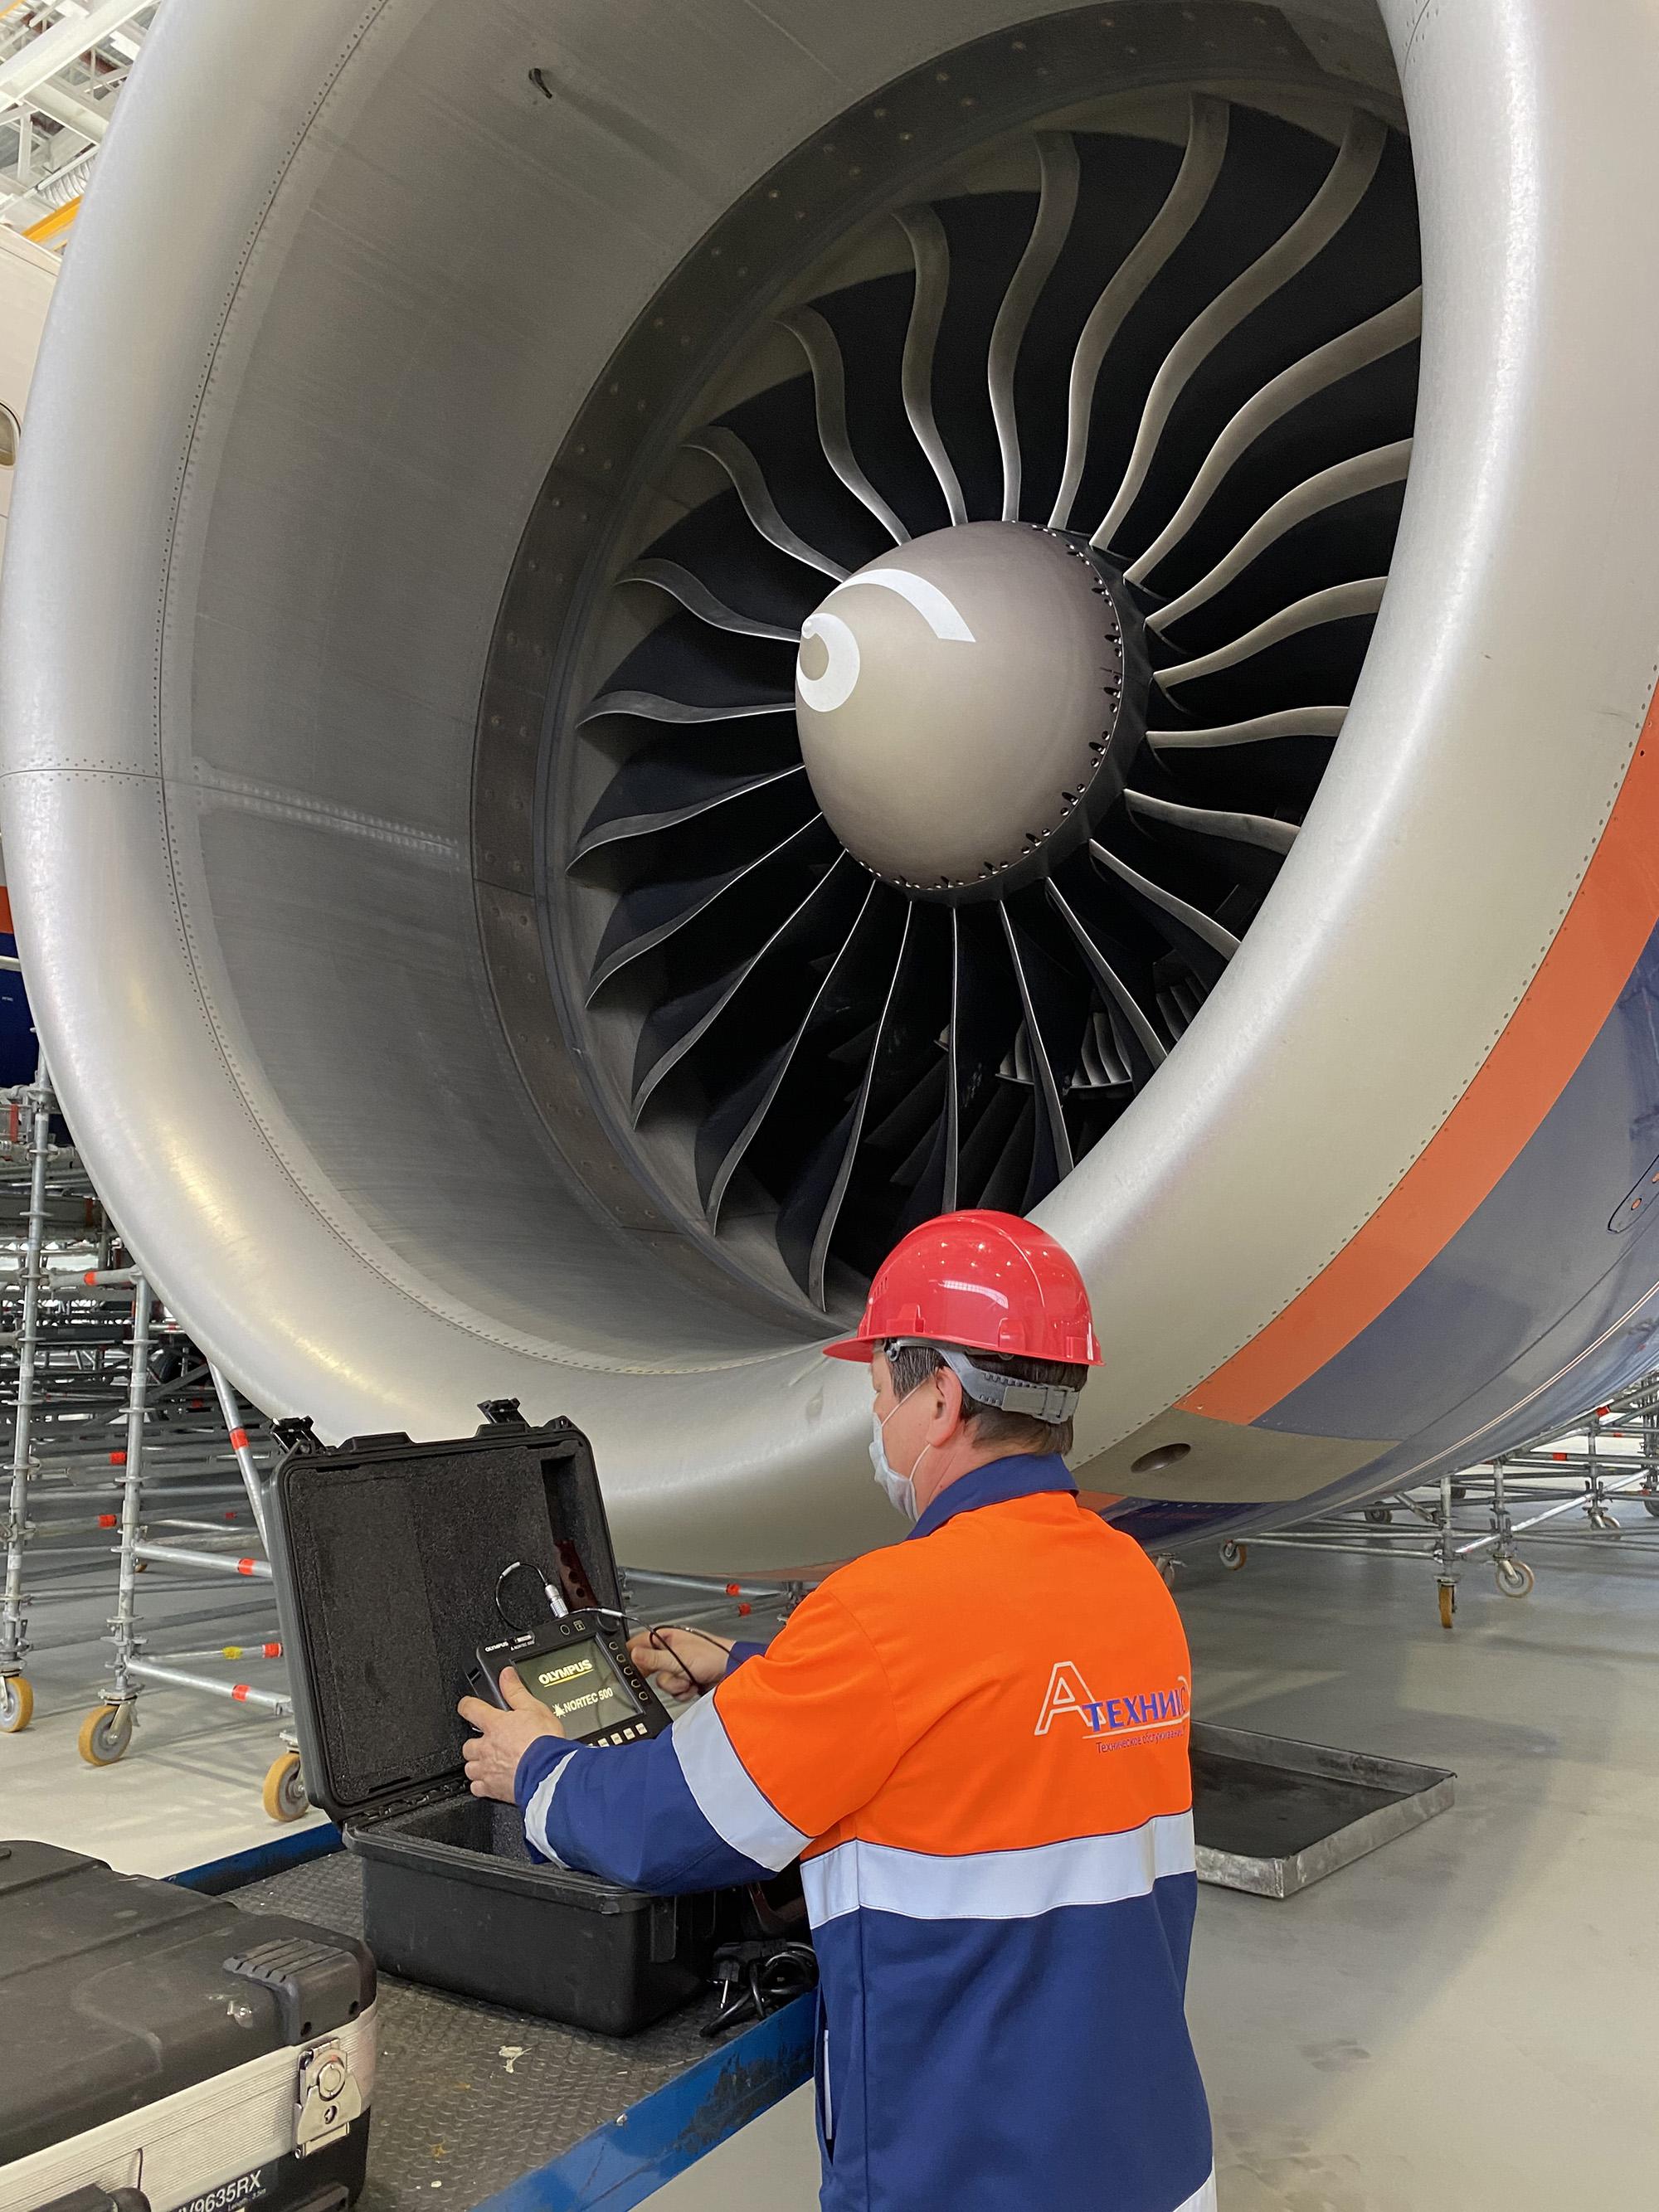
x=1467 y=2018
x=189 y=1789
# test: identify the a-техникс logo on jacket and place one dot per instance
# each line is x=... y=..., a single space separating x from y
x=1114 y=1720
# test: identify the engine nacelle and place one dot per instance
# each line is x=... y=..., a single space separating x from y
x=507 y=482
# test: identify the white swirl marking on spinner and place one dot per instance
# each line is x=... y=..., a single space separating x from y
x=833 y=685
x=831 y=688
x=939 y=613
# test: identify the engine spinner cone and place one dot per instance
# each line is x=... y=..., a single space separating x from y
x=966 y=707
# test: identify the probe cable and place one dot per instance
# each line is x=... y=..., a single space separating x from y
x=654 y=1632
x=757 y=1978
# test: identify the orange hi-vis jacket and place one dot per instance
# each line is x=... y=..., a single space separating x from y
x=977 y=1742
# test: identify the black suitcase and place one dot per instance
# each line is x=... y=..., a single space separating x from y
x=385 y=1556
x=166 y=2050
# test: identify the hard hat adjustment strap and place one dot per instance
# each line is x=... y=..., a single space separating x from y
x=1009 y=1393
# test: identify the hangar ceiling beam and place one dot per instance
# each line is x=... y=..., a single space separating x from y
x=63 y=108
x=65 y=42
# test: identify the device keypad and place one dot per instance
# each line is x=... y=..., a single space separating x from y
x=622 y=1735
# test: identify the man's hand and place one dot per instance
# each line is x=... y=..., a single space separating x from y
x=504 y=1738
x=680 y=1659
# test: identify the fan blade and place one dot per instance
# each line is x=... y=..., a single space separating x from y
x=1107 y=977
x=1206 y=144
x=985 y=1009
x=935 y=1188
x=749 y=482
x=1179 y=1004
x=672 y=1031
x=1272 y=837
x=1289 y=722
x=736 y=1122
x=651 y=706
x=1051 y=1151
x=1104 y=1065
x=651 y=913
x=1001 y=1147
x=1193 y=918
x=651 y=793
x=951 y=1124
x=1329 y=364
x=806 y=1222
x=822 y=351
x=1383 y=464
x=695 y=596
x=1338 y=603
x=930 y=250
x=1344 y=187
x=1056 y=205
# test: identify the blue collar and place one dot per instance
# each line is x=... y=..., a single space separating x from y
x=1022 y=1474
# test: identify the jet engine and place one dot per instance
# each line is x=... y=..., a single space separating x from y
x=644 y=643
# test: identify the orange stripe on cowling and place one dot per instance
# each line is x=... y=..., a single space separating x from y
x=6 y=929
x=1577 y=984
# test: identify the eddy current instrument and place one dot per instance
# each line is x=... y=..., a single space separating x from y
x=576 y=1664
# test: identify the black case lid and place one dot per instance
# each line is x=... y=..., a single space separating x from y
x=385 y=1555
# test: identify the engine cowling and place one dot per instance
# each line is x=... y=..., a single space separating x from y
x=487 y=941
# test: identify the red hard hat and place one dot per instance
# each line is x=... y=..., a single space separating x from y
x=991 y=1282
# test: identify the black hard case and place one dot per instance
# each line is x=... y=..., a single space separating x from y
x=385 y=1555
x=117 y=1991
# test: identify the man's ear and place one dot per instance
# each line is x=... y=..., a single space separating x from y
x=947 y=1403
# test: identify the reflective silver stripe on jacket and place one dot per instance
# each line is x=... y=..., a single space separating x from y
x=536 y=1812
x=998 y=1885
x=737 y=1810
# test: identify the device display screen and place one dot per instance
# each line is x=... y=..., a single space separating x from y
x=582 y=1687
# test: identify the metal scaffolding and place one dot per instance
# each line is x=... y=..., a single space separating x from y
x=126 y=1448
x=1588 y=1487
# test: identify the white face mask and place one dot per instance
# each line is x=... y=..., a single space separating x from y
x=901 y=1489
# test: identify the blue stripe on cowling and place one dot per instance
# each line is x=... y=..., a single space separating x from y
x=981 y=2064
x=624 y=1812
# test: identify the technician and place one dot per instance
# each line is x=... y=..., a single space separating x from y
x=977 y=1743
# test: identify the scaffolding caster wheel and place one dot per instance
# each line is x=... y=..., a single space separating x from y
x=1233 y=1556
x=1650 y=1503
x=1379 y=1516
x=107 y=1734
x=1515 y=1577
x=1448 y=1603
x=16 y=1704
x=285 y=1793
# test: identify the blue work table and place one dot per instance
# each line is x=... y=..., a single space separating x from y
x=476 y=2110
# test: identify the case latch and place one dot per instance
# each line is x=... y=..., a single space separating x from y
x=502 y=1413
x=330 y=2097
x=294 y=1432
